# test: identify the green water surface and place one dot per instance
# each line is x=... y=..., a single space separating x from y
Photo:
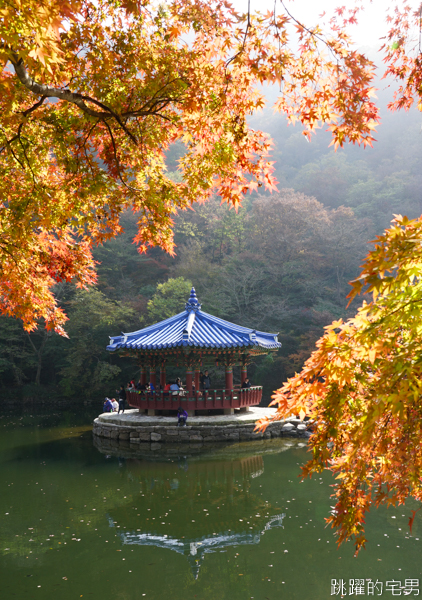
x=83 y=521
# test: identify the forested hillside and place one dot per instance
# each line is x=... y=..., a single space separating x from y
x=282 y=263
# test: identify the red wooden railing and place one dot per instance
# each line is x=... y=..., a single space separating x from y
x=203 y=400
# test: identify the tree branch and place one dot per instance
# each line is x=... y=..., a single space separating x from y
x=26 y=156
x=151 y=108
x=248 y=24
x=32 y=344
x=79 y=100
x=84 y=145
x=4 y=248
x=25 y=113
x=34 y=107
x=117 y=160
x=312 y=33
x=8 y=145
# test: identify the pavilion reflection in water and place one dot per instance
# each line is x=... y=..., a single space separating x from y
x=195 y=549
x=228 y=482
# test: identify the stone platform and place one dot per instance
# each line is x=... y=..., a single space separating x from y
x=139 y=428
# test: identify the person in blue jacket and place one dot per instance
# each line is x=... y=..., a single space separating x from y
x=107 y=407
x=182 y=416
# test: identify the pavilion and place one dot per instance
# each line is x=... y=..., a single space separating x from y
x=194 y=339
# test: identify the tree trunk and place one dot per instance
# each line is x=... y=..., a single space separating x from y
x=39 y=353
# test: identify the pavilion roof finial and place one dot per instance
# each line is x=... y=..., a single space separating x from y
x=193 y=302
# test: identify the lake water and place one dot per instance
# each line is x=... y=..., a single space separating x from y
x=80 y=521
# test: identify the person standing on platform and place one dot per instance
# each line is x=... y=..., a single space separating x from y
x=206 y=381
x=122 y=399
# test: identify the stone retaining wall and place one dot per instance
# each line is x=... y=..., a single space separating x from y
x=199 y=433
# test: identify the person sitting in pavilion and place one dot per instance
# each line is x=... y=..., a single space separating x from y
x=142 y=387
x=174 y=388
x=182 y=416
x=246 y=384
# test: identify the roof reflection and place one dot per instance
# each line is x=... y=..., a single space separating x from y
x=195 y=549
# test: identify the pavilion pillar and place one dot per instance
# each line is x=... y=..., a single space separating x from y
x=243 y=373
x=153 y=376
x=189 y=376
x=229 y=377
x=163 y=375
x=197 y=382
x=143 y=375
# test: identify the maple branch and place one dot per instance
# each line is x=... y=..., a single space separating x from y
x=5 y=246
x=26 y=156
x=420 y=28
x=8 y=142
x=79 y=100
x=84 y=145
x=312 y=33
x=8 y=145
x=25 y=113
x=117 y=160
x=144 y=113
x=277 y=34
x=244 y=38
x=393 y=312
x=154 y=101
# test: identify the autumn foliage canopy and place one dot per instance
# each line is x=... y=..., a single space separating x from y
x=93 y=94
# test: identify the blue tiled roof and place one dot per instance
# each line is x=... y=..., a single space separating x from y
x=194 y=328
